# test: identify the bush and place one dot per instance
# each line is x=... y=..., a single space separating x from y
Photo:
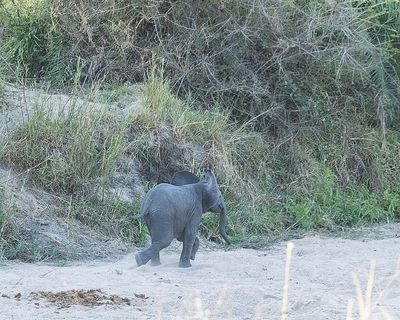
x=276 y=60
x=334 y=187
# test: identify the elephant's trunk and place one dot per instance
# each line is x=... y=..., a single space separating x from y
x=222 y=223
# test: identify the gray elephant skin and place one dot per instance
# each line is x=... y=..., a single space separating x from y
x=173 y=211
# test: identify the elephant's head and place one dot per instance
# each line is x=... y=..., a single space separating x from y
x=213 y=200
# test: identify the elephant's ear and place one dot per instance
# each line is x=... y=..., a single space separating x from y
x=181 y=178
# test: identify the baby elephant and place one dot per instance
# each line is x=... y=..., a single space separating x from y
x=174 y=211
x=181 y=178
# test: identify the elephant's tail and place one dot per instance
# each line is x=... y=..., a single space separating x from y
x=138 y=216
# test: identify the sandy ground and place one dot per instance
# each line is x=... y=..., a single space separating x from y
x=236 y=284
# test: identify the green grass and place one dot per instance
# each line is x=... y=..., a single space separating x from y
x=329 y=207
x=10 y=242
x=114 y=93
x=168 y=132
x=326 y=205
x=110 y=216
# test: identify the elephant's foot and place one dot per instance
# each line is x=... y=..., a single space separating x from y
x=138 y=259
x=192 y=257
x=184 y=264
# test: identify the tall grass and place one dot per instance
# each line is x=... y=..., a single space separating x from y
x=33 y=42
x=64 y=150
x=3 y=217
x=170 y=134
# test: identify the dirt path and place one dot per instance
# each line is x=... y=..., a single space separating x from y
x=237 y=284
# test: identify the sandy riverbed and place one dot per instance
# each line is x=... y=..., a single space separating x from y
x=237 y=284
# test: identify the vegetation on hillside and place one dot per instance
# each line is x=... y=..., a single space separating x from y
x=295 y=104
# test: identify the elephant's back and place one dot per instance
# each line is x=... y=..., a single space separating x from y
x=170 y=189
x=167 y=197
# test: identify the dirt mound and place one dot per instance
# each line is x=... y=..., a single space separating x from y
x=40 y=220
x=87 y=298
x=20 y=102
x=44 y=231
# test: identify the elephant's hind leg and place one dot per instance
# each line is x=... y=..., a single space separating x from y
x=188 y=244
x=144 y=256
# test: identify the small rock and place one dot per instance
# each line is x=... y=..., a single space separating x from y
x=140 y=295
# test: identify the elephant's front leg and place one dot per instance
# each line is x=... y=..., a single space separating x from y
x=155 y=259
x=195 y=248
